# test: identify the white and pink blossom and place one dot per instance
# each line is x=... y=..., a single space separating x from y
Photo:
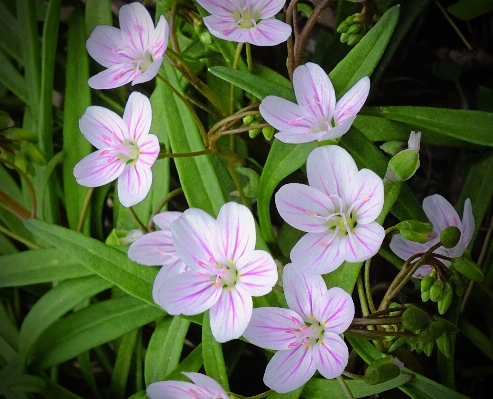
x=202 y=386
x=125 y=149
x=337 y=210
x=246 y=21
x=441 y=215
x=133 y=53
x=225 y=269
x=317 y=115
x=307 y=335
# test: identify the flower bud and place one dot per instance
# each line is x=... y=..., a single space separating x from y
x=445 y=299
x=343 y=27
x=415 y=231
x=425 y=296
x=355 y=38
x=450 y=236
x=468 y=269
x=345 y=37
x=382 y=370
x=428 y=281
x=354 y=28
x=268 y=132
x=21 y=162
x=21 y=135
x=428 y=349
x=436 y=290
x=444 y=344
x=247 y=120
x=402 y=166
x=457 y=283
x=254 y=132
x=414 y=318
x=430 y=333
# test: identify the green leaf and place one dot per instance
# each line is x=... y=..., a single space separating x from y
x=283 y=159
x=12 y=79
x=471 y=126
x=90 y=327
x=193 y=362
x=98 y=12
x=53 y=305
x=213 y=355
x=469 y=9
x=8 y=330
x=109 y=263
x=165 y=347
x=364 y=57
x=123 y=361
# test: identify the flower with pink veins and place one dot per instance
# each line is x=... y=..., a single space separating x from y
x=307 y=335
x=317 y=116
x=126 y=150
x=133 y=53
x=441 y=215
x=246 y=21
x=157 y=248
x=338 y=211
x=201 y=387
x=225 y=269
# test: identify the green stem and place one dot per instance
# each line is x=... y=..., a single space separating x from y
x=377 y=321
x=138 y=221
x=16 y=237
x=249 y=57
x=85 y=208
x=238 y=185
x=161 y=205
x=369 y=298
x=183 y=154
x=362 y=297
x=345 y=388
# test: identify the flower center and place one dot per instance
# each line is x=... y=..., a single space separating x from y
x=247 y=17
x=127 y=151
x=308 y=334
x=323 y=125
x=227 y=274
x=143 y=62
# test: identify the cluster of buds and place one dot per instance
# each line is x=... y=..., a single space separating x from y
x=352 y=29
x=255 y=120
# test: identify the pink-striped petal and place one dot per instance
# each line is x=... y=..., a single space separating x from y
x=337 y=131
x=115 y=76
x=165 y=273
x=153 y=249
x=137 y=26
x=304 y=207
x=206 y=382
x=221 y=8
x=351 y=102
x=365 y=195
x=268 y=8
x=268 y=32
x=303 y=292
x=440 y=212
x=188 y=293
x=290 y=369
x=148 y=151
x=317 y=253
x=404 y=248
x=151 y=71
x=314 y=91
x=159 y=38
x=222 y=27
x=163 y=220
x=137 y=115
x=104 y=44
x=134 y=184
x=336 y=310
x=331 y=355
x=98 y=168
x=299 y=136
x=237 y=232
x=330 y=169
x=363 y=243
x=230 y=314
x=174 y=390
x=269 y=328
x=467 y=223
x=193 y=237
x=102 y=127
x=284 y=115
x=422 y=271
x=257 y=273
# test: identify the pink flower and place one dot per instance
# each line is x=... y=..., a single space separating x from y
x=441 y=215
x=337 y=210
x=126 y=150
x=157 y=248
x=306 y=335
x=202 y=387
x=133 y=53
x=246 y=21
x=225 y=269
x=317 y=116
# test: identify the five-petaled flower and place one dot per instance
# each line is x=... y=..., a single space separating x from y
x=338 y=211
x=225 y=269
x=157 y=248
x=441 y=215
x=202 y=386
x=126 y=150
x=307 y=335
x=133 y=53
x=317 y=116
x=246 y=21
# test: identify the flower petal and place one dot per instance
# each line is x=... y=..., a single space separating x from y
x=467 y=223
x=317 y=253
x=134 y=184
x=440 y=213
x=331 y=356
x=237 y=232
x=221 y=8
x=289 y=369
x=136 y=24
x=283 y=115
x=223 y=28
x=405 y=248
x=365 y=194
x=314 y=91
x=299 y=136
x=268 y=328
x=163 y=220
x=98 y=169
x=365 y=241
x=172 y=390
x=159 y=39
x=230 y=314
x=151 y=71
x=351 y=102
x=257 y=272
x=137 y=115
x=115 y=76
x=206 y=381
x=268 y=8
x=338 y=131
x=330 y=169
x=153 y=249
x=304 y=207
x=103 y=45
x=336 y=310
x=148 y=151
x=165 y=273
x=102 y=127
x=188 y=293
x=268 y=32
x=193 y=237
x=303 y=291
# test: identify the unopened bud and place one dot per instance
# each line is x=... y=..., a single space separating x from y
x=21 y=162
x=402 y=166
x=247 y=120
x=343 y=27
x=268 y=132
x=444 y=344
x=355 y=38
x=21 y=135
x=428 y=281
x=468 y=269
x=445 y=299
x=254 y=133
x=450 y=236
x=205 y=38
x=414 y=318
x=415 y=231
x=457 y=283
x=381 y=370
x=436 y=290
x=354 y=28
x=414 y=141
x=345 y=37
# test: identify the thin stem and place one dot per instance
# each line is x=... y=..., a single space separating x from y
x=352 y=376
x=85 y=208
x=291 y=14
x=242 y=129
x=362 y=297
x=369 y=298
x=171 y=23
x=183 y=154
x=454 y=26
x=17 y=237
x=261 y=395
x=249 y=57
x=377 y=321
x=238 y=185
x=161 y=205
x=28 y=183
x=13 y=206
x=138 y=221
x=345 y=388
